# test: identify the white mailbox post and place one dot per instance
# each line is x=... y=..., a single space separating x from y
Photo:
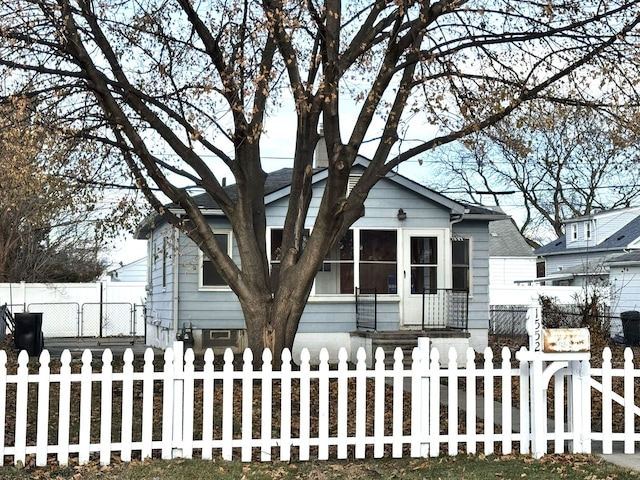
x=550 y=351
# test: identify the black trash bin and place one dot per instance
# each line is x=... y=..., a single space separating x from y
x=28 y=333
x=631 y=327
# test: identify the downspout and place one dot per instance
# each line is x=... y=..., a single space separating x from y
x=176 y=279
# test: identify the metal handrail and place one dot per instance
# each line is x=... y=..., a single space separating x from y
x=366 y=316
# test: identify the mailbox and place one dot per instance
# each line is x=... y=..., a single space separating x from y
x=557 y=340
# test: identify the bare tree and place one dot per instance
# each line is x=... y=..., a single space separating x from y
x=49 y=230
x=557 y=161
x=198 y=79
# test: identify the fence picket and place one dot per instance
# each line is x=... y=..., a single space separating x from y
x=167 y=405
x=247 y=405
x=188 y=404
x=398 y=405
x=560 y=392
x=434 y=403
x=285 y=406
x=86 y=387
x=416 y=402
x=488 y=378
x=629 y=400
x=361 y=403
x=227 y=406
x=342 y=407
x=364 y=419
x=22 y=402
x=127 y=405
x=42 y=436
x=305 y=401
x=147 y=404
x=378 y=404
x=470 y=400
x=507 y=402
x=323 y=405
x=208 y=386
x=525 y=404
x=452 y=395
x=64 y=407
x=106 y=407
x=607 y=401
x=266 y=405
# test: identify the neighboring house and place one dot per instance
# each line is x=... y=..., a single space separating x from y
x=411 y=240
x=511 y=258
x=591 y=243
x=135 y=271
x=624 y=277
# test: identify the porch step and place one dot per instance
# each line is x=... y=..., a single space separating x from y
x=406 y=340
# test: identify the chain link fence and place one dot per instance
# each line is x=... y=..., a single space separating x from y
x=89 y=319
x=508 y=320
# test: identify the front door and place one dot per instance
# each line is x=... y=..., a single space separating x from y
x=423 y=270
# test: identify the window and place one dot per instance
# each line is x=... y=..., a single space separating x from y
x=210 y=276
x=164 y=261
x=363 y=258
x=424 y=264
x=587 y=230
x=275 y=244
x=574 y=231
x=460 y=262
x=337 y=272
x=378 y=261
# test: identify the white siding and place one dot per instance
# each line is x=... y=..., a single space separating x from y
x=508 y=270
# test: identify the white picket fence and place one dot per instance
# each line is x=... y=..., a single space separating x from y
x=422 y=409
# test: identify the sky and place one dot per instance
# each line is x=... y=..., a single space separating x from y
x=278 y=144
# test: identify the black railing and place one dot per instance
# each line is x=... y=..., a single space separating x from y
x=366 y=309
x=445 y=308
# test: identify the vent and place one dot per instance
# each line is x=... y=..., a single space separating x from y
x=219 y=338
x=353 y=179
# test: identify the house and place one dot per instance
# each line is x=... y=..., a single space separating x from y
x=432 y=246
x=511 y=258
x=135 y=271
x=583 y=255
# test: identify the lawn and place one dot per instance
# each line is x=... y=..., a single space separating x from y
x=459 y=468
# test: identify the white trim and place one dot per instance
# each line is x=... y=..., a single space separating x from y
x=214 y=288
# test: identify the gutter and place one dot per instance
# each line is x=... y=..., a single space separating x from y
x=176 y=279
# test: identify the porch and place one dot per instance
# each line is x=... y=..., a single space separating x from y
x=444 y=319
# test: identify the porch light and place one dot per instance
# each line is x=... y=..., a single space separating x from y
x=402 y=214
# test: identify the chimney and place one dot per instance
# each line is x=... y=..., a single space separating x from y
x=321 y=155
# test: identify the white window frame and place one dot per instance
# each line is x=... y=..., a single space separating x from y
x=574 y=232
x=469 y=239
x=588 y=230
x=201 y=260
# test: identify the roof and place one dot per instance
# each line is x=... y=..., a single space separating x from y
x=274 y=182
x=620 y=239
x=277 y=185
x=506 y=240
x=630 y=258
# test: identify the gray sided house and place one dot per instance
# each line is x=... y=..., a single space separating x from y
x=584 y=253
x=410 y=261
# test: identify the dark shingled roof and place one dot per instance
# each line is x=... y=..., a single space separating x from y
x=274 y=182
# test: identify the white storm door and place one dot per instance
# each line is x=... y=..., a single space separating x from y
x=424 y=270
